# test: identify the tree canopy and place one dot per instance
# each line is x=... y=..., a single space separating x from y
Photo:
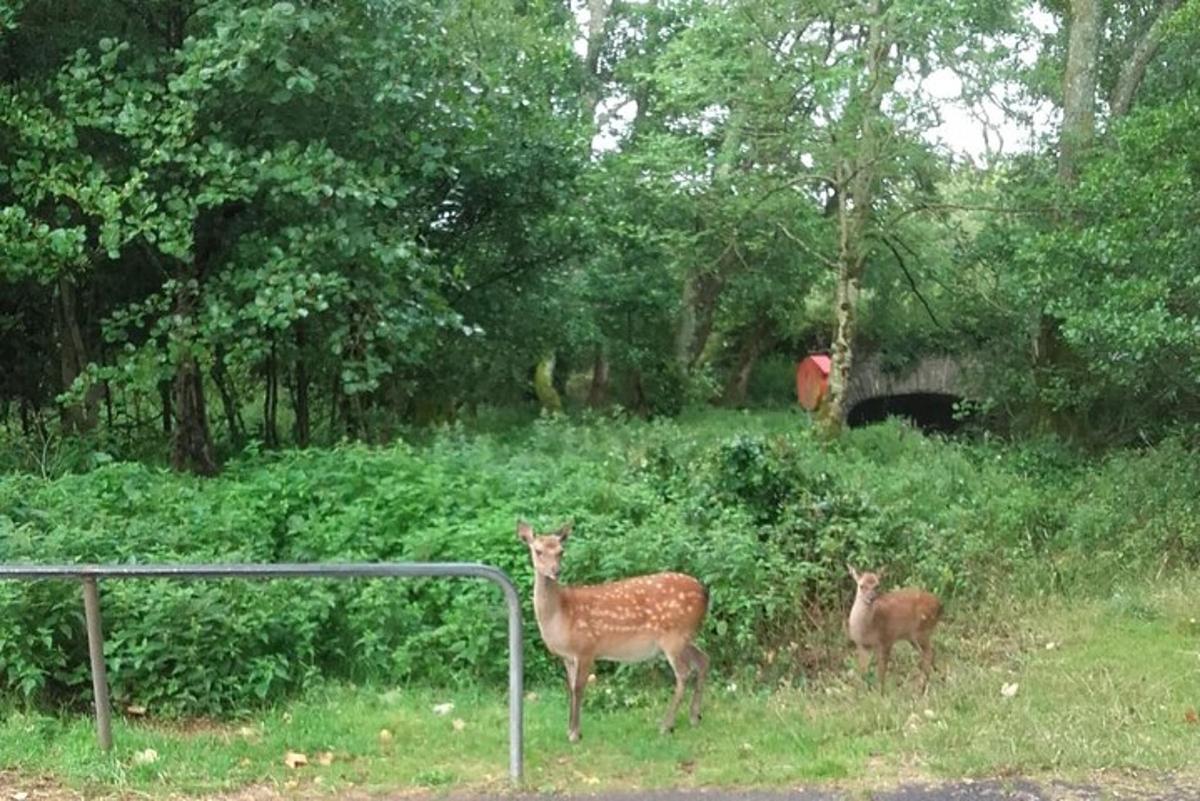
x=292 y=222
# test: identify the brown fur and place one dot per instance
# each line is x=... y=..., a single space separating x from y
x=878 y=621
x=624 y=621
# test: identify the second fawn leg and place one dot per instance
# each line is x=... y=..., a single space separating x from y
x=924 y=643
x=882 y=654
x=864 y=662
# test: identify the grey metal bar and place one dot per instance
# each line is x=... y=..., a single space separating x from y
x=95 y=638
x=90 y=574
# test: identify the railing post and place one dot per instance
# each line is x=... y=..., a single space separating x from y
x=516 y=675
x=90 y=575
x=95 y=637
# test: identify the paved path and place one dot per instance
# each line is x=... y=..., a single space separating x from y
x=1159 y=789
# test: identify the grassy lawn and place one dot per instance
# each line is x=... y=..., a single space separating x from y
x=1110 y=684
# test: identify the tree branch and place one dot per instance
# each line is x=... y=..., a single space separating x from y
x=912 y=283
x=828 y=262
x=1134 y=69
x=935 y=207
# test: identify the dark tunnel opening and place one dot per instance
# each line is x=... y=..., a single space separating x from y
x=928 y=411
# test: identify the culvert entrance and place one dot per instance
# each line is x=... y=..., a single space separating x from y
x=926 y=410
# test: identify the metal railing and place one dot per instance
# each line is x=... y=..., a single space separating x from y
x=91 y=575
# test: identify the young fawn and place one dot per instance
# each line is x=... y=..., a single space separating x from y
x=622 y=621
x=878 y=621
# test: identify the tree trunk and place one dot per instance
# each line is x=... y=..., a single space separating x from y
x=191 y=440
x=1079 y=88
x=697 y=313
x=73 y=358
x=849 y=286
x=754 y=342
x=856 y=178
x=638 y=403
x=1134 y=70
x=168 y=414
x=229 y=402
x=597 y=18
x=271 y=401
x=1075 y=138
x=300 y=397
x=598 y=390
x=543 y=384
x=335 y=403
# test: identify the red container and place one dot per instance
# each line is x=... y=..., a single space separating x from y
x=812 y=380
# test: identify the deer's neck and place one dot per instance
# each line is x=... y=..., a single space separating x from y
x=861 y=616
x=553 y=621
x=547 y=599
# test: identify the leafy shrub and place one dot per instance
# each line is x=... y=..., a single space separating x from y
x=754 y=505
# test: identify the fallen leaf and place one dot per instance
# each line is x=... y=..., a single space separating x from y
x=1009 y=690
x=325 y=758
x=247 y=732
x=385 y=736
x=1191 y=717
x=443 y=709
x=531 y=697
x=20 y=796
x=147 y=757
x=688 y=766
x=1050 y=646
x=294 y=759
x=137 y=710
x=459 y=724
x=244 y=762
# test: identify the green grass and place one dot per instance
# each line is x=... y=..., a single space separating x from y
x=1102 y=685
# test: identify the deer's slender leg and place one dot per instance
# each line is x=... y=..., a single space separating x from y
x=681 y=666
x=925 y=643
x=864 y=661
x=578 y=678
x=699 y=661
x=882 y=654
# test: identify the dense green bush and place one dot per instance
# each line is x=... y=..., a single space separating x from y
x=754 y=505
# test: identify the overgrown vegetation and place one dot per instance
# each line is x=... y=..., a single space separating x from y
x=294 y=222
x=767 y=517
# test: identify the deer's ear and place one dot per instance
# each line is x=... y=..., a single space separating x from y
x=565 y=531
x=525 y=532
x=853 y=572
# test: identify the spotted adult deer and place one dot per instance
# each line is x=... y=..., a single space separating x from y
x=878 y=621
x=623 y=621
